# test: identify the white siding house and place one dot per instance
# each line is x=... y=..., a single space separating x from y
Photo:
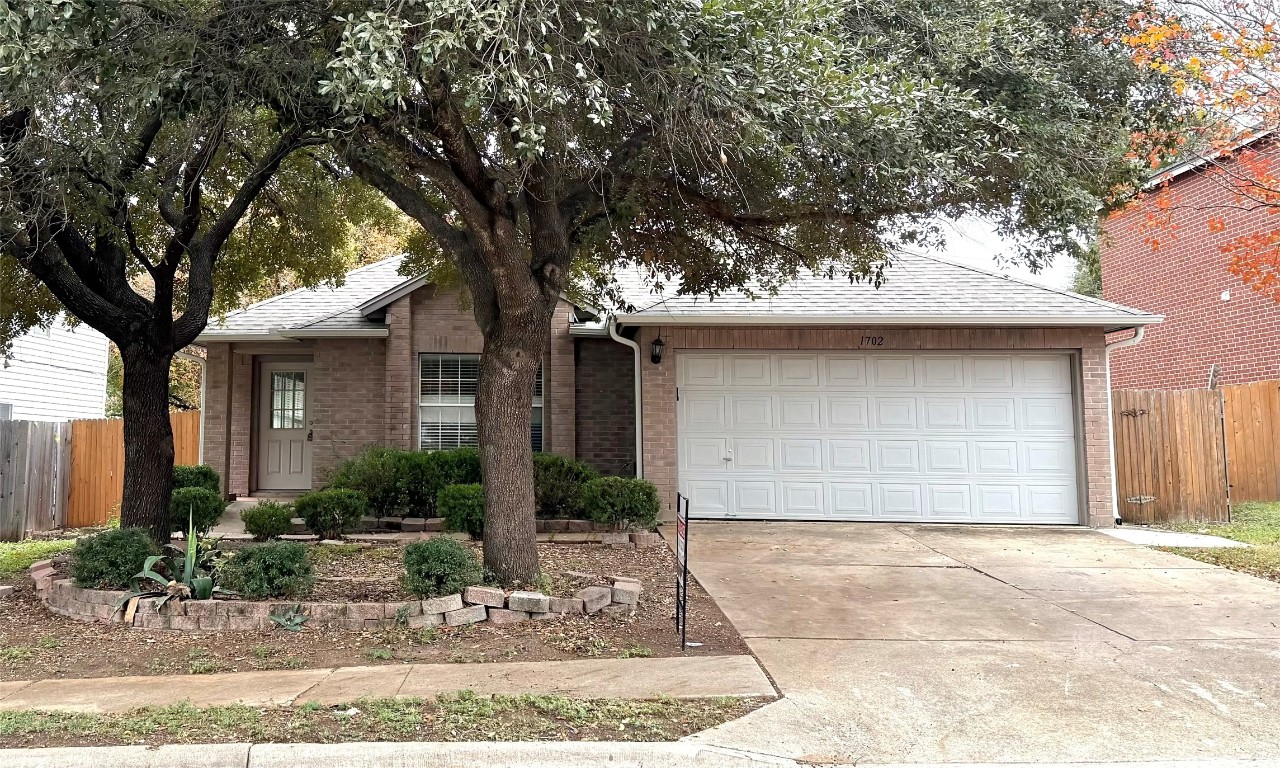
x=55 y=374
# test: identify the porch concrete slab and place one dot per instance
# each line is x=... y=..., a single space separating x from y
x=681 y=677
x=778 y=542
x=1153 y=537
x=121 y=694
x=1190 y=617
x=348 y=684
x=906 y=702
x=989 y=547
x=12 y=687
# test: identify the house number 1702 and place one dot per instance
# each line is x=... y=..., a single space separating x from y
x=872 y=341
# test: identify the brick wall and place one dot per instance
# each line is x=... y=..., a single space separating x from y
x=1184 y=279
x=349 y=400
x=217 y=402
x=606 y=414
x=659 y=383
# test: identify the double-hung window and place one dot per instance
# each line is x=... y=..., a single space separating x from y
x=447 y=403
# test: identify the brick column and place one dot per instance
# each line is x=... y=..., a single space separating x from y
x=217 y=406
x=240 y=433
x=401 y=375
x=1097 y=429
x=559 y=390
x=658 y=396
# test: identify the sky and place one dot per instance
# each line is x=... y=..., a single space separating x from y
x=974 y=242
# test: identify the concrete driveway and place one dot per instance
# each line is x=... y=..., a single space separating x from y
x=902 y=643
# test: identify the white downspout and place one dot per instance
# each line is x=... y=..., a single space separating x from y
x=1136 y=338
x=204 y=384
x=635 y=347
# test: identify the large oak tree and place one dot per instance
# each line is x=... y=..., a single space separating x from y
x=149 y=174
x=729 y=141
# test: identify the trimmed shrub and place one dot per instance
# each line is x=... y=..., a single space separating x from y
x=268 y=520
x=558 y=485
x=626 y=502
x=381 y=474
x=331 y=512
x=462 y=507
x=440 y=566
x=110 y=560
x=276 y=569
x=203 y=505
x=198 y=476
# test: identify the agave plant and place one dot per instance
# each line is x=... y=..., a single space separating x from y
x=189 y=572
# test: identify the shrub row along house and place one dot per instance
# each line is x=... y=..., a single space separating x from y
x=948 y=394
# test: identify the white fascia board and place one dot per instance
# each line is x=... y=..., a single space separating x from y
x=589 y=330
x=386 y=297
x=1119 y=321
x=345 y=333
x=218 y=337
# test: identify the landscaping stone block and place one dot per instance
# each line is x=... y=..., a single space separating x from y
x=442 y=604
x=393 y=610
x=297 y=525
x=202 y=608
x=300 y=536
x=6 y=592
x=560 y=606
x=490 y=596
x=213 y=623
x=579 y=526
x=468 y=615
x=390 y=523
x=327 y=611
x=152 y=620
x=594 y=598
x=614 y=538
x=364 y=611
x=332 y=542
x=244 y=623
x=426 y=620
x=184 y=623
x=413 y=524
x=41 y=565
x=543 y=616
x=504 y=616
x=626 y=592
x=533 y=602
x=434 y=525
x=620 y=609
x=367 y=523
x=646 y=540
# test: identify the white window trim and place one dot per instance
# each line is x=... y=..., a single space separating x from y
x=418 y=404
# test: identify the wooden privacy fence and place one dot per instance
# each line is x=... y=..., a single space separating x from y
x=97 y=464
x=34 y=465
x=1185 y=454
x=1171 y=461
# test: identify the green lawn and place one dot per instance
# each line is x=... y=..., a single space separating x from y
x=1253 y=522
x=18 y=557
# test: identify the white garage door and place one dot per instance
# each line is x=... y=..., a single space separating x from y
x=986 y=438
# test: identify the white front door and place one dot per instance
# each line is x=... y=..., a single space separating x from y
x=284 y=427
x=923 y=437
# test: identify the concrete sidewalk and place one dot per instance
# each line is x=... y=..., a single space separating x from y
x=691 y=677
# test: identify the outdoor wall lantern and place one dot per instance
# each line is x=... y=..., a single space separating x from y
x=655 y=354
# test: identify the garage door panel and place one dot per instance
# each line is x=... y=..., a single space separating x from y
x=895 y=413
x=847 y=412
x=946 y=437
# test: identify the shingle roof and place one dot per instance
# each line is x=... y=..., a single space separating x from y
x=314 y=311
x=918 y=290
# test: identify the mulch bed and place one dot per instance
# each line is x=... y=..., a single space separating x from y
x=35 y=644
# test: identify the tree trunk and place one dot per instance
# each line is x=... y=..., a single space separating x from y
x=148 y=441
x=513 y=350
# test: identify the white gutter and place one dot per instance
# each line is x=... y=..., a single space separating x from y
x=204 y=389
x=1110 y=322
x=635 y=347
x=1133 y=340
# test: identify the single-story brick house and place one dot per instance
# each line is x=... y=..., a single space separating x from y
x=949 y=394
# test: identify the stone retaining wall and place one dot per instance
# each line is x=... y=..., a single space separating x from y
x=474 y=605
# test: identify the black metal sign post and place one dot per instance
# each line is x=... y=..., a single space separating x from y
x=682 y=567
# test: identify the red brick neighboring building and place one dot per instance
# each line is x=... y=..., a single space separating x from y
x=1211 y=317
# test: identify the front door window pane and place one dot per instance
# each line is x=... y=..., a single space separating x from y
x=288 y=400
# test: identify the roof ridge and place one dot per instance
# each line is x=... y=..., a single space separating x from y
x=1030 y=284
x=302 y=289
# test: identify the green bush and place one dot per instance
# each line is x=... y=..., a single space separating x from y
x=268 y=520
x=440 y=566
x=381 y=474
x=276 y=569
x=198 y=476
x=203 y=505
x=626 y=502
x=331 y=512
x=433 y=472
x=558 y=484
x=462 y=507
x=109 y=560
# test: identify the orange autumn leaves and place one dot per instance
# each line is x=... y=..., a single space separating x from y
x=1222 y=59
